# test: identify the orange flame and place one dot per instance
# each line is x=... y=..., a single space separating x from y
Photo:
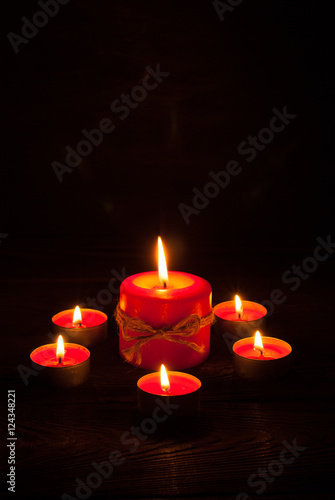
x=60 y=349
x=238 y=306
x=77 y=316
x=258 y=343
x=165 y=384
x=162 y=268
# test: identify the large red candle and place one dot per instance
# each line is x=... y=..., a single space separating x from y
x=142 y=297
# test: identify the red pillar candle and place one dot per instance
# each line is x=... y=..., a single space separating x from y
x=88 y=330
x=68 y=369
x=164 y=319
x=239 y=321
x=180 y=393
x=271 y=359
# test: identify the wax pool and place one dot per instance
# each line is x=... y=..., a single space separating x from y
x=46 y=355
x=180 y=383
x=271 y=350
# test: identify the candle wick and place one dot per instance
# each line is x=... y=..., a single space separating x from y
x=239 y=315
x=60 y=360
x=164 y=284
x=260 y=350
x=77 y=324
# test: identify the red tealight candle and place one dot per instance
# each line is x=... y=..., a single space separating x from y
x=164 y=318
x=182 y=391
x=86 y=327
x=240 y=318
x=62 y=365
x=261 y=358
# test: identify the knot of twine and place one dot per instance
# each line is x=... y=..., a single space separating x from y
x=185 y=328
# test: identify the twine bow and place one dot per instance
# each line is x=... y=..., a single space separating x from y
x=185 y=328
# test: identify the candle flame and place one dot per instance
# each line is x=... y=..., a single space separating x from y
x=77 y=316
x=238 y=306
x=258 y=344
x=165 y=384
x=60 y=348
x=162 y=268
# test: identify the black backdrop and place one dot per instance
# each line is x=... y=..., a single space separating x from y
x=225 y=77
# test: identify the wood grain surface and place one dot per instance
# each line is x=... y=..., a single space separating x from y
x=240 y=427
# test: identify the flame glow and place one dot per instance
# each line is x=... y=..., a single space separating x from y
x=258 y=344
x=77 y=315
x=162 y=268
x=60 y=348
x=165 y=384
x=238 y=306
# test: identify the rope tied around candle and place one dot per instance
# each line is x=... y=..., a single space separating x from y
x=185 y=328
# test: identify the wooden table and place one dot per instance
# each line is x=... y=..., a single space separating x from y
x=241 y=429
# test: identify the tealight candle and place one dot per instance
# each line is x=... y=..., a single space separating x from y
x=86 y=327
x=62 y=365
x=178 y=391
x=261 y=358
x=239 y=318
x=164 y=317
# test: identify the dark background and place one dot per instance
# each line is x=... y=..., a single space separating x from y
x=225 y=79
x=60 y=241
